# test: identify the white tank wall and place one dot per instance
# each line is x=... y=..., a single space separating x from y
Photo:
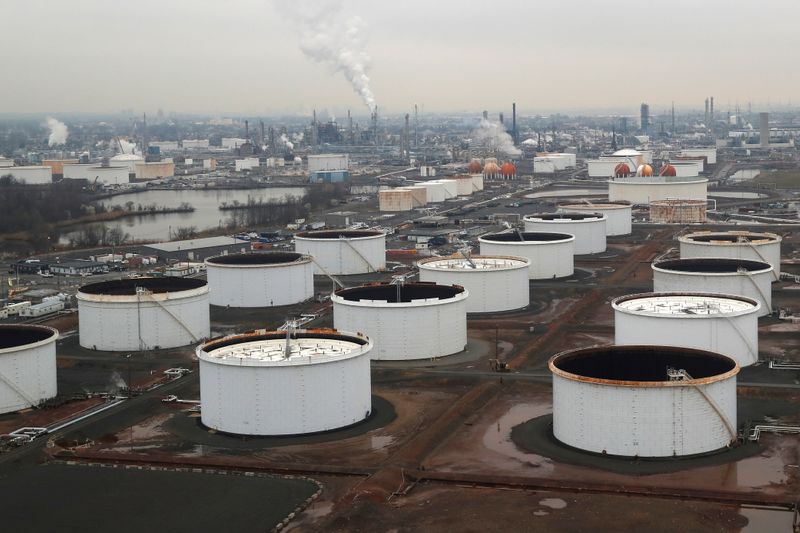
x=436 y=191
x=477 y=182
x=590 y=234
x=464 y=186
x=418 y=330
x=549 y=260
x=490 y=291
x=32 y=369
x=642 y=421
x=113 y=323
x=618 y=217
x=645 y=192
x=757 y=286
x=768 y=252
x=339 y=258
x=117 y=175
x=450 y=188
x=260 y=285
x=31 y=175
x=288 y=400
x=734 y=336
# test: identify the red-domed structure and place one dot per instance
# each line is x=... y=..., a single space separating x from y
x=644 y=171
x=667 y=170
x=491 y=170
x=508 y=170
x=622 y=170
x=474 y=167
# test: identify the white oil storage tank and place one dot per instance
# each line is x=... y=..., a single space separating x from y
x=143 y=313
x=757 y=246
x=551 y=254
x=27 y=366
x=618 y=214
x=285 y=383
x=260 y=279
x=740 y=277
x=495 y=283
x=405 y=321
x=589 y=228
x=725 y=324
x=644 y=401
x=343 y=252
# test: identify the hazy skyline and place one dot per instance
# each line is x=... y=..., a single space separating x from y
x=245 y=56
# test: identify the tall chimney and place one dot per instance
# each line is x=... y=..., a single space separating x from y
x=764 y=129
x=514 y=122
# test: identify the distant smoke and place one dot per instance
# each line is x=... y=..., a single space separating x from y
x=298 y=137
x=284 y=140
x=494 y=136
x=58 y=132
x=116 y=383
x=327 y=37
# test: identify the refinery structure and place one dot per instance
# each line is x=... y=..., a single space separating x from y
x=388 y=310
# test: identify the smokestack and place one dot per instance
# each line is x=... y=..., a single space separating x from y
x=247 y=131
x=350 y=137
x=416 y=124
x=706 y=119
x=514 y=122
x=711 y=114
x=375 y=126
x=485 y=115
x=262 y=133
x=764 y=129
x=406 y=139
x=501 y=119
x=673 y=118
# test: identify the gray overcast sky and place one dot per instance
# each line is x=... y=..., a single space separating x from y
x=244 y=55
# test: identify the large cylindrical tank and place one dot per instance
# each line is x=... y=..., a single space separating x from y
x=740 y=277
x=143 y=313
x=251 y=384
x=495 y=283
x=263 y=279
x=646 y=190
x=676 y=211
x=409 y=321
x=589 y=228
x=551 y=254
x=757 y=246
x=27 y=366
x=644 y=401
x=343 y=252
x=722 y=324
x=618 y=214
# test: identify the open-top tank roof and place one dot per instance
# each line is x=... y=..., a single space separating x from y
x=564 y=217
x=642 y=366
x=476 y=263
x=527 y=236
x=21 y=336
x=339 y=234
x=258 y=259
x=731 y=238
x=268 y=348
x=684 y=304
x=712 y=265
x=127 y=287
x=408 y=292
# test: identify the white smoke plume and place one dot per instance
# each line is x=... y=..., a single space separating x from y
x=494 y=136
x=284 y=140
x=298 y=137
x=328 y=37
x=58 y=132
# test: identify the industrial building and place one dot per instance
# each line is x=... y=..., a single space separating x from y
x=285 y=383
x=77 y=268
x=495 y=283
x=589 y=229
x=725 y=324
x=196 y=249
x=687 y=396
x=143 y=314
x=343 y=252
x=676 y=211
x=551 y=254
x=405 y=321
x=739 y=277
x=117 y=175
x=27 y=366
x=259 y=279
x=618 y=215
x=756 y=246
x=329 y=168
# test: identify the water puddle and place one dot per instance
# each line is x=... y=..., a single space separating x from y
x=380 y=442
x=760 y=471
x=498 y=435
x=760 y=519
x=553 y=503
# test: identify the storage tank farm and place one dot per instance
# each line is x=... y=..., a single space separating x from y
x=143 y=313
x=495 y=283
x=644 y=400
x=343 y=252
x=405 y=321
x=260 y=279
x=741 y=277
x=618 y=214
x=27 y=366
x=751 y=245
x=589 y=229
x=551 y=254
x=725 y=324
x=292 y=382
